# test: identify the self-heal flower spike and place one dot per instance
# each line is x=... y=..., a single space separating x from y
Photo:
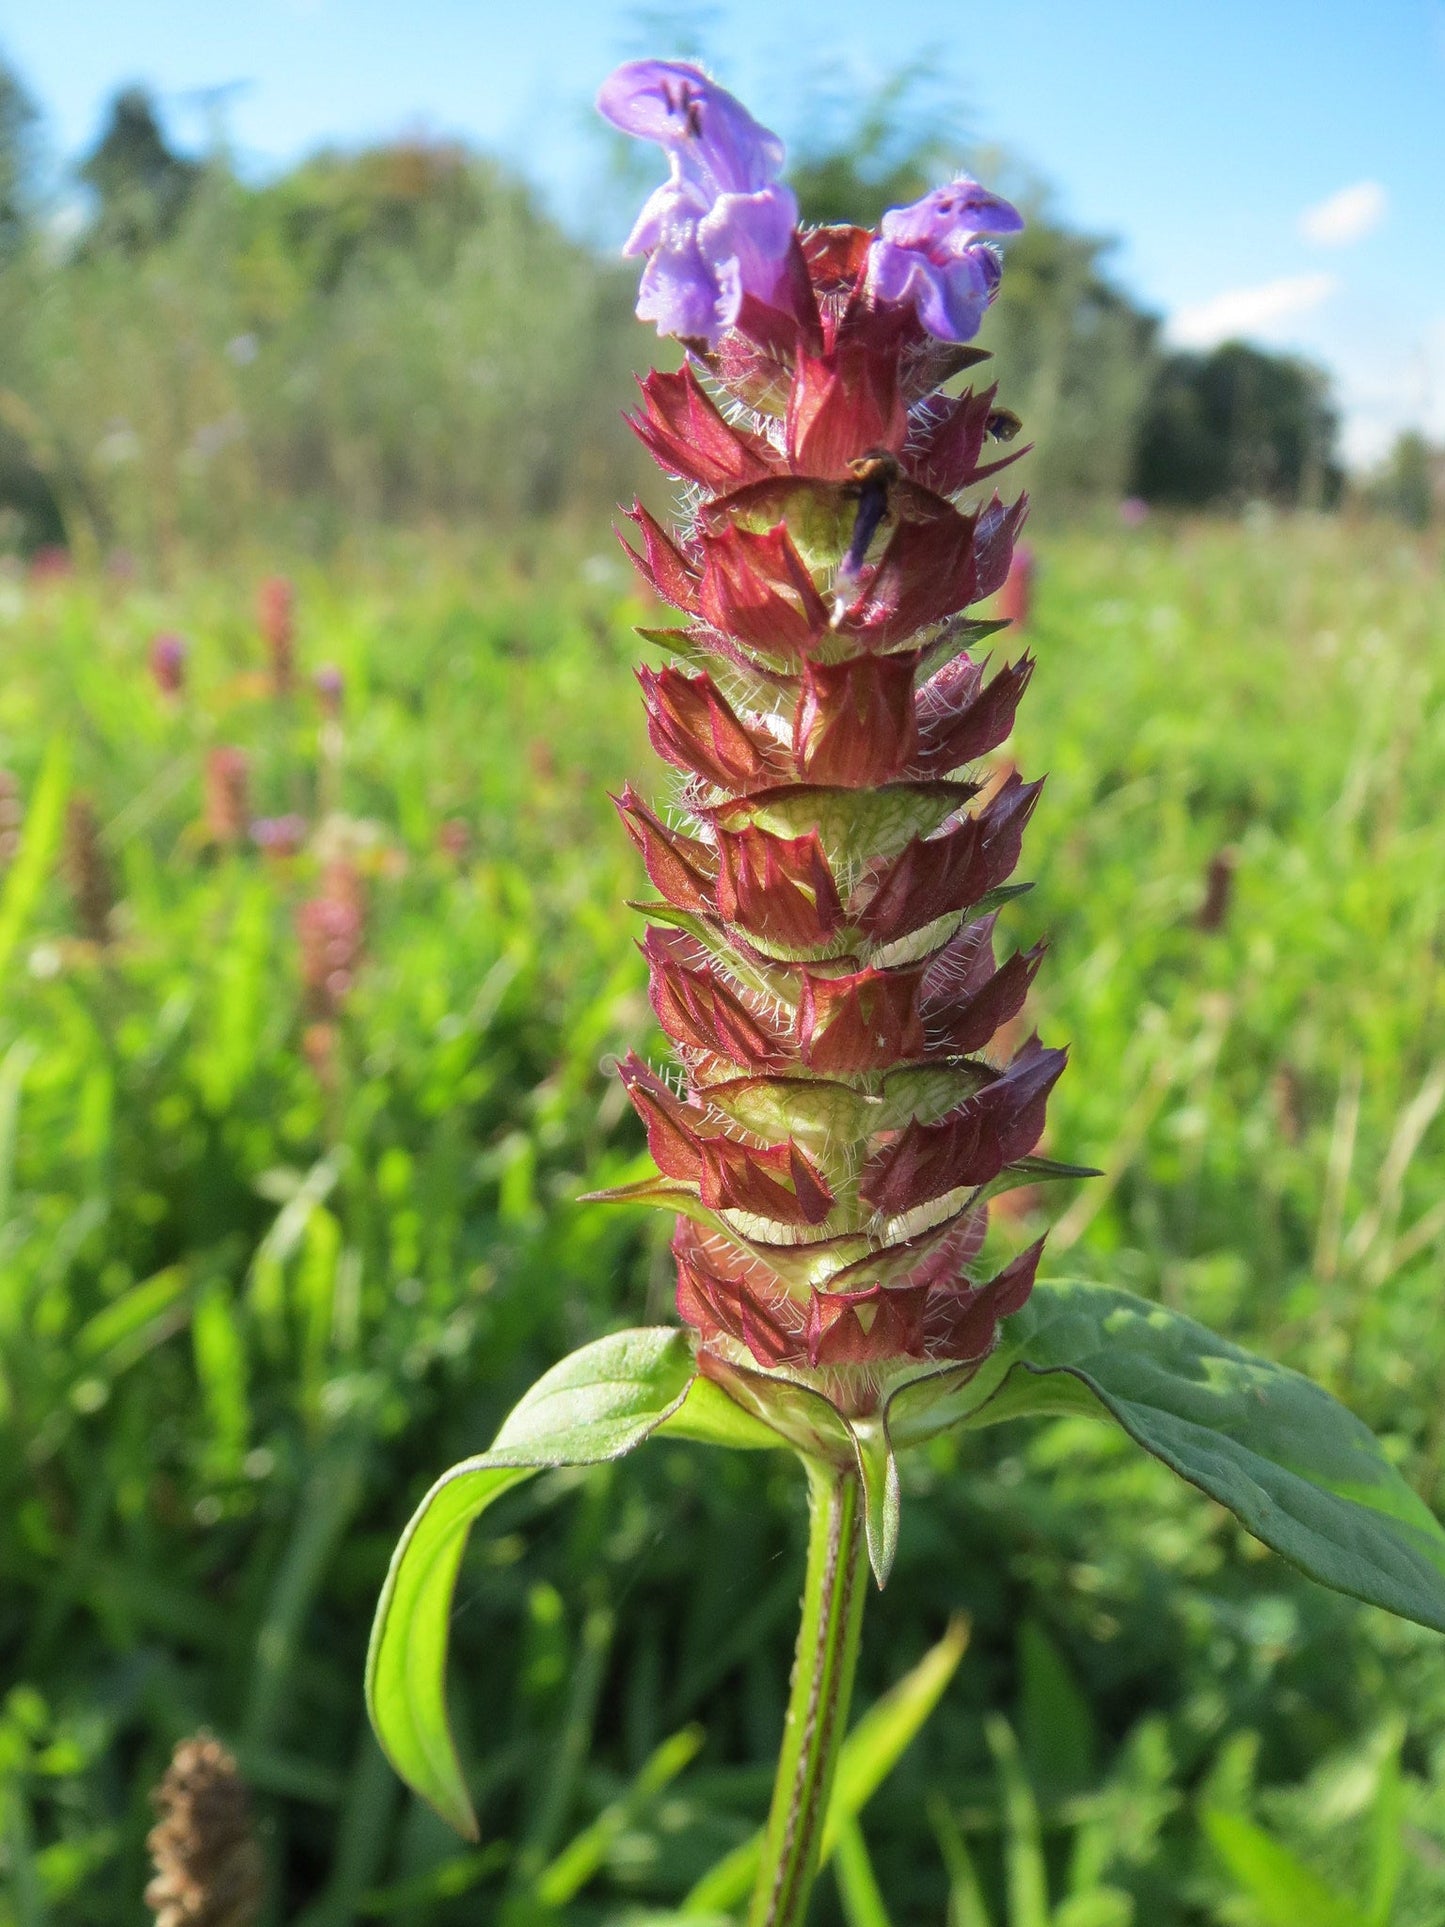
x=828 y=874
x=822 y=945
x=929 y=256
x=721 y=226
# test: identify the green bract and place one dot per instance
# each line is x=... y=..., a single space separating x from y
x=1293 y=1465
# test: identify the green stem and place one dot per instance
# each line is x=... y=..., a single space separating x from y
x=833 y=1594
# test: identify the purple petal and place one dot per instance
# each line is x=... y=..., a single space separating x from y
x=891 y=271
x=664 y=211
x=711 y=136
x=754 y=231
x=948 y=217
x=681 y=291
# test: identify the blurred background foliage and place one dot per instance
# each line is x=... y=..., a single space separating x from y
x=406 y=334
x=312 y=962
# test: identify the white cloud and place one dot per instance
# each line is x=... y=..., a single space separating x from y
x=1248 y=311
x=1345 y=217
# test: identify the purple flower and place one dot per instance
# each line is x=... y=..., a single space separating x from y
x=168 y=663
x=279 y=835
x=720 y=227
x=929 y=254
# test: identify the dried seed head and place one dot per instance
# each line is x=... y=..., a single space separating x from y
x=1213 y=912
x=208 y=1864
x=87 y=871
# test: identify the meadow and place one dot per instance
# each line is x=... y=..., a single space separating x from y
x=299 y=1088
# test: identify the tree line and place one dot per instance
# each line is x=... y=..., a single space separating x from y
x=404 y=332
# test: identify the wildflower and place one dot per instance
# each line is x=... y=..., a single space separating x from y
x=330 y=687
x=822 y=954
x=279 y=835
x=331 y=933
x=227 y=793
x=929 y=256
x=276 y=615
x=168 y=663
x=721 y=227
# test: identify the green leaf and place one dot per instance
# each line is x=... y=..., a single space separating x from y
x=879 y=1470
x=889 y=1727
x=966 y=1905
x=858 y=1888
x=1024 y=1866
x=1297 y=1469
x=1285 y=1890
x=595 y=1405
x=44 y=822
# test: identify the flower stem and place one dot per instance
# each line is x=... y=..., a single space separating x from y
x=833 y=1593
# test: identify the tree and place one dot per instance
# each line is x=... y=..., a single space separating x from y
x=1406 y=485
x=1238 y=424
x=19 y=121
x=141 y=184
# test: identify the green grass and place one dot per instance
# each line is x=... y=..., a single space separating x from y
x=248 y=1310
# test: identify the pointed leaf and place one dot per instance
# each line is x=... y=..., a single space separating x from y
x=1285 y=1891
x=594 y=1406
x=879 y=1470
x=1295 y=1467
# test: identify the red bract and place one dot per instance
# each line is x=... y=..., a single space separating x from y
x=698 y=1009
x=682 y=429
x=928 y=571
x=757 y=588
x=779 y=889
x=937 y=875
x=855 y=724
x=961 y=717
x=863 y=1022
x=772 y=1181
x=843 y=405
x=662 y=565
x=821 y=960
x=693 y=727
x=682 y=869
x=970 y=1146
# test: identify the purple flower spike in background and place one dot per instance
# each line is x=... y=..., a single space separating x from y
x=929 y=254
x=721 y=226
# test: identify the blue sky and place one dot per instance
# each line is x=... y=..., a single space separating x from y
x=1272 y=168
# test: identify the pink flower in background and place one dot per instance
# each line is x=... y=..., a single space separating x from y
x=228 y=793
x=276 y=613
x=721 y=226
x=330 y=687
x=1016 y=597
x=929 y=255
x=279 y=835
x=168 y=663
